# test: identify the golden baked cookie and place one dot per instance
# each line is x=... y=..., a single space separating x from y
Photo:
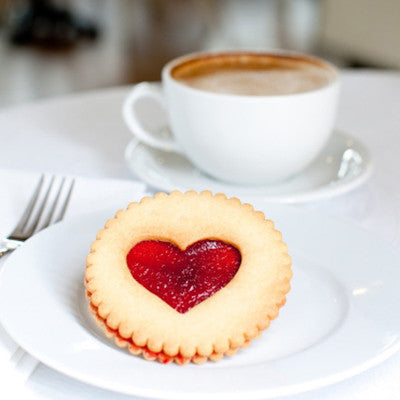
x=187 y=277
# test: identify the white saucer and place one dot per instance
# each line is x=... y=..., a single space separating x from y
x=168 y=171
x=340 y=319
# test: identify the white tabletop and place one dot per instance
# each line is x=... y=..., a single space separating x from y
x=84 y=135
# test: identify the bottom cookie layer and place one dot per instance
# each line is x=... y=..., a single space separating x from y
x=150 y=355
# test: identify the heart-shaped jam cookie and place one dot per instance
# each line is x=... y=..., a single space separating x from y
x=187 y=277
x=183 y=279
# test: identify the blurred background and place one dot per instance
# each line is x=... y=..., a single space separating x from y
x=56 y=47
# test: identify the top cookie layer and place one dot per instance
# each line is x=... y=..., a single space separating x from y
x=227 y=319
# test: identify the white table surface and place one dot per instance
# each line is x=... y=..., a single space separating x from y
x=84 y=135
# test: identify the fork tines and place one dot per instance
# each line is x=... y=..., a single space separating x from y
x=47 y=206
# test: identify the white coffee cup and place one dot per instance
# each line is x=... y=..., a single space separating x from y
x=240 y=138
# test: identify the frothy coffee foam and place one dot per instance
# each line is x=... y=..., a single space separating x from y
x=254 y=75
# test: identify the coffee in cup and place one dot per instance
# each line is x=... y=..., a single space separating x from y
x=250 y=118
x=253 y=75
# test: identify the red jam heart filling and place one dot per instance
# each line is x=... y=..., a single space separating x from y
x=183 y=279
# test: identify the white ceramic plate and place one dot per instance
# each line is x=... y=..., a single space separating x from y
x=341 y=316
x=169 y=171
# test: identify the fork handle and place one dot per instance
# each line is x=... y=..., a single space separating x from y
x=7 y=245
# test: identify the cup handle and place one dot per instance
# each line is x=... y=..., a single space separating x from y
x=130 y=115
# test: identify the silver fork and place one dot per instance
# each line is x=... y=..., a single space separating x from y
x=38 y=210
